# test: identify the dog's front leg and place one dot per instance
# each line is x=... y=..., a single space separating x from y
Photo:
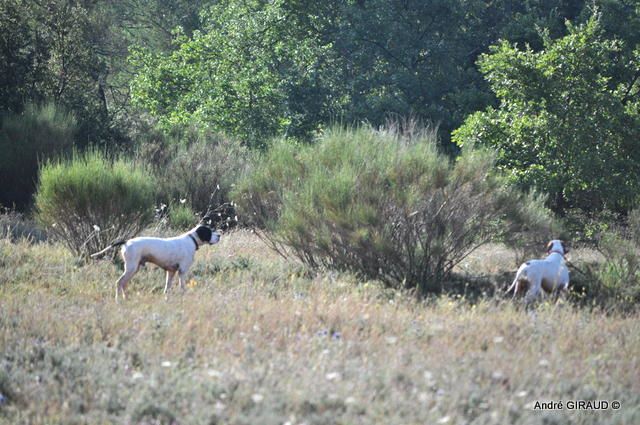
x=182 y=279
x=167 y=285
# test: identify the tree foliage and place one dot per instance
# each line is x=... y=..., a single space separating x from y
x=263 y=68
x=236 y=75
x=568 y=120
x=254 y=68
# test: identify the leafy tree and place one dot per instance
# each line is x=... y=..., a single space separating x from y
x=566 y=123
x=238 y=75
x=259 y=68
x=51 y=52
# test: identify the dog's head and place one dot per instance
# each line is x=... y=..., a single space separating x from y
x=558 y=246
x=207 y=235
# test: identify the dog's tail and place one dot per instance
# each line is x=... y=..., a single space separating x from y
x=521 y=274
x=113 y=245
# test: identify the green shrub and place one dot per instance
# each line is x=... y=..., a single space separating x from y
x=384 y=205
x=38 y=134
x=197 y=166
x=181 y=216
x=614 y=283
x=91 y=200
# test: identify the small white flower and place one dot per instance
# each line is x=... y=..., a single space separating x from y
x=257 y=398
x=166 y=363
x=522 y=394
x=137 y=375
x=498 y=339
x=96 y=227
x=332 y=376
x=444 y=420
x=214 y=373
x=182 y=201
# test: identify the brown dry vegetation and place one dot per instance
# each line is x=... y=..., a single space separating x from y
x=258 y=340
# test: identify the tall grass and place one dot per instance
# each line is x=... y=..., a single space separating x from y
x=257 y=340
x=92 y=200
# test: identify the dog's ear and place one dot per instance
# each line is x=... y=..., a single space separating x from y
x=204 y=233
x=549 y=246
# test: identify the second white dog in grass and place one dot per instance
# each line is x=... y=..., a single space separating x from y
x=550 y=275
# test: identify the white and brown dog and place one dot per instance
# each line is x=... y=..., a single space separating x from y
x=171 y=254
x=550 y=275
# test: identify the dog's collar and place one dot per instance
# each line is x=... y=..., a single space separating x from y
x=194 y=241
x=557 y=252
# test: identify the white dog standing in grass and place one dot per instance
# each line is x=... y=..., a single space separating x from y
x=550 y=275
x=171 y=254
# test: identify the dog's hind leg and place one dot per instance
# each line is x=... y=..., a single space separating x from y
x=167 y=285
x=123 y=281
x=532 y=293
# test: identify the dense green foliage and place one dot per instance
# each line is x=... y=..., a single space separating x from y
x=195 y=167
x=235 y=75
x=257 y=69
x=567 y=123
x=91 y=200
x=35 y=135
x=261 y=68
x=384 y=205
x=51 y=52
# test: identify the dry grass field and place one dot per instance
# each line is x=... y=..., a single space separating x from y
x=256 y=339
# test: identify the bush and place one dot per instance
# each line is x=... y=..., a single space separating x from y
x=384 y=205
x=91 y=200
x=38 y=134
x=181 y=216
x=195 y=166
x=613 y=284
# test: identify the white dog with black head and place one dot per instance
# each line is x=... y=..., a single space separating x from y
x=175 y=255
x=550 y=275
